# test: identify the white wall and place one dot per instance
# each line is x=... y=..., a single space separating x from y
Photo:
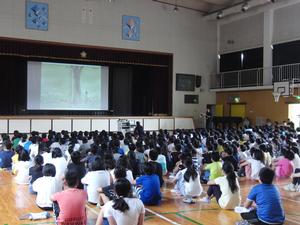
x=242 y=34
x=251 y=29
x=185 y=33
x=286 y=23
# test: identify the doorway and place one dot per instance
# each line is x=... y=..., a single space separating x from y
x=294 y=114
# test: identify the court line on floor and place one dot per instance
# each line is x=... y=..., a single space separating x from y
x=162 y=217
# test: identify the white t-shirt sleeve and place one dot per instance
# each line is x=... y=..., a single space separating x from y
x=108 y=209
x=219 y=180
x=86 y=179
x=129 y=176
x=36 y=184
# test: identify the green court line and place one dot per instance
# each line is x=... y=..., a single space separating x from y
x=187 y=211
x=188 y=219
x=38 y=223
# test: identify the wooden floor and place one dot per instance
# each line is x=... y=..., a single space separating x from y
x=15 y=201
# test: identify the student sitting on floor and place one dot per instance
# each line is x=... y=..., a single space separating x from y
x=45 y=187
x=36 y=171
x=267 y=199
x=148 y=186
x=107 y=193
x=190 y=179
x=69 y=205
x=225 y=189
x=123 y=209
x=97 y=178
x=214 y=168
x=21 y=168
x=5 y=156
x=284 y=167
x=256 y=163
x=295 y=185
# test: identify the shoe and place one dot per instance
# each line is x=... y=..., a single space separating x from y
x=189 y=201
x=289 y=187
x=205 y=200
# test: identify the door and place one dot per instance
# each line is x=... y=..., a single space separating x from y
x=238 y=110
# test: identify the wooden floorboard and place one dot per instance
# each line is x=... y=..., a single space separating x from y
x=15 y=201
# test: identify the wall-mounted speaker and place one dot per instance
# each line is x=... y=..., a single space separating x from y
x=198 y=81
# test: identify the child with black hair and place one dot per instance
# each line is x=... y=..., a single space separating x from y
x=284 y=167
x=225 y=189
x=124 y=162
x=5 y=156
x=21 y=168
x=45 y=187
x=60 y=164
x=227 y=156
x=107 y=193
x=256 y=163
x=188 y=181
x=214 y=168
x=148 y=186
x=153 y=155
x=76 y=163
x=97 y=178
x=123 y=209
x=295 y=185
x=135 y=164
x=36 y=171
x=266 y=197
x=69 y=205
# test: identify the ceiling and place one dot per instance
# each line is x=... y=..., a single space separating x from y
x=203 y=6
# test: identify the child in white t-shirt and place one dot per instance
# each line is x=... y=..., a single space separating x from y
x=45 y=187
x=256 y=163
x=190 y=179
x=124 y=209
x=97 y=178
x=21 y=168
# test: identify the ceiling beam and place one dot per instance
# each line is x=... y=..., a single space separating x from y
x=182 y=6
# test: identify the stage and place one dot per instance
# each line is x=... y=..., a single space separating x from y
x=26 y=124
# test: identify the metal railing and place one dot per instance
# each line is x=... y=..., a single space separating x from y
x=256 y=77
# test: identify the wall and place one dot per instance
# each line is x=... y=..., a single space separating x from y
x=185 y=33
x=259 y=104
x=242 y=34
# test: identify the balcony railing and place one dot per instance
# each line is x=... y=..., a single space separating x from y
x=256 y=77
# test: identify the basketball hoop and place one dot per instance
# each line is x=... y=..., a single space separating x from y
x=276 y=96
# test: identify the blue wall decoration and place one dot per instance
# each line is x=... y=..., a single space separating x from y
x=131 y=28
x=37 y=14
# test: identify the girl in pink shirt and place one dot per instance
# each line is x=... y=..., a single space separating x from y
x=69 y=205
x=284 y=166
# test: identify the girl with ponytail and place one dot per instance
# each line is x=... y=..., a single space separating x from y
x=123 y=210
x=225 y=189
x=188 y=181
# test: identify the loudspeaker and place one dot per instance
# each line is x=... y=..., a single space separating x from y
x=191 y=99
x=198 y=81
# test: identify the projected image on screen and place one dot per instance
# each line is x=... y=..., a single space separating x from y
x=54 y=86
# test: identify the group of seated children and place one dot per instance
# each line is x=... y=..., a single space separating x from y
x=113 y=168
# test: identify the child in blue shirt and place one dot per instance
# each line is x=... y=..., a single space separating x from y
x=267 y=198
x=148 y=186
x=5 y=156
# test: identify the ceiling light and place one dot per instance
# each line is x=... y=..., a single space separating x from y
x=219 y=15
x=245 y=7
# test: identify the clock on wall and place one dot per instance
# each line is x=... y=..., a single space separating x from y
x=37 y=14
